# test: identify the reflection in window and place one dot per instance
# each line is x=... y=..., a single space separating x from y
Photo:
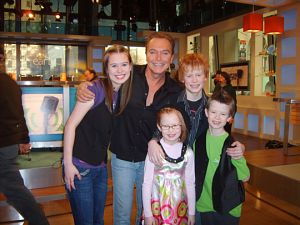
x=10 y=58
x=45 y=61
x=137 y=54
x=265 y=64
x=42 y=60
x=228 y=47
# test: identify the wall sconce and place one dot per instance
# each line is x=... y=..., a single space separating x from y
x=57 y=17
x=274 y=25
x=30 y=15
x=253 y=22
x=57 y=14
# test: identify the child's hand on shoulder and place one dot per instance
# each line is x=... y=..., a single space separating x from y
x=191 y=220
x=150 y=221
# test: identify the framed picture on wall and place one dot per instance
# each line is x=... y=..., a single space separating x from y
x=239 y=74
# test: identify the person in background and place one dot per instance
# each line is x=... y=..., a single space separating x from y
x=87 y=137
x=14 y=139
x=219 y=177
x=169 y=190
x=90 y=74
x=222 y=80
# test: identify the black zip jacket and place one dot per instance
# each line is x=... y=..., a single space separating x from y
x=228 y=192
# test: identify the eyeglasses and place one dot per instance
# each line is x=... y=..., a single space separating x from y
x=173 y=127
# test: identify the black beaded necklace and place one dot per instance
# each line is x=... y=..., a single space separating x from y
x=179 y=159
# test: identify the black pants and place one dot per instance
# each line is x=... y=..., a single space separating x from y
x=215 y=218
x=12 y=186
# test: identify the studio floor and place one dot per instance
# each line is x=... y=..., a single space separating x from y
x=263 y=205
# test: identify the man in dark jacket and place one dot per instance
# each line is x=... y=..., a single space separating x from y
x=14 y=138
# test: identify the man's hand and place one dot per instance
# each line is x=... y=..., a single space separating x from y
x=150 y=221
x=83 y=93
x=191 y=220
x=155 y=152
x=24 y=148
x=236 y=151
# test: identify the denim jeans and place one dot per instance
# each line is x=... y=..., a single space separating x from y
x=12 y=186
x=125 y=175
x=88 y=199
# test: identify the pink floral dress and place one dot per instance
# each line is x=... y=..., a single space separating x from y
x=169 y=199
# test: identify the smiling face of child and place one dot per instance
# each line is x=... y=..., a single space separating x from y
x=218 y=114
x=170 y=127
x=194 y=80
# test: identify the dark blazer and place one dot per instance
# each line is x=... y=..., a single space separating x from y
x=135 y=126
x=228 y=192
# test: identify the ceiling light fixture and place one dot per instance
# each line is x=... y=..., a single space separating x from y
x=45 y=5
x=253 y=22
x=57 y=17
x=30 y=15
x=274 y=25
x=57 y=14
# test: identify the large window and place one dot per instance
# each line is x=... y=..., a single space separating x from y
x=10 y=58
x=137 y=54
x=228 y=48
x=44 y=61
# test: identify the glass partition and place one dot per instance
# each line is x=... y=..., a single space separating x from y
x=229 y=49
x=137 y=54
x=265 y=65
x=44 y=62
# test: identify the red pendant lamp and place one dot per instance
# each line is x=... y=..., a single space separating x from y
x=253 y=22
x=274 y=25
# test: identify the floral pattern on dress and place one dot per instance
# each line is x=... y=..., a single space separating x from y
x=169 y=198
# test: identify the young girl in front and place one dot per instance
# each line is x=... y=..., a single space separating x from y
x=169 y=189
x=87 y=136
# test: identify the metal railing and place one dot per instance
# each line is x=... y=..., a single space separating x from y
x=61 y=28
x=288 y=103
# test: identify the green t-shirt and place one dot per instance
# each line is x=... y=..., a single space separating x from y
x=214 y=146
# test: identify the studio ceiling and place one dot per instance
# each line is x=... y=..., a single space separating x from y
x=266 y=3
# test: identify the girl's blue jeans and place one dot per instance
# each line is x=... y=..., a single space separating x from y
x=88 y=199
